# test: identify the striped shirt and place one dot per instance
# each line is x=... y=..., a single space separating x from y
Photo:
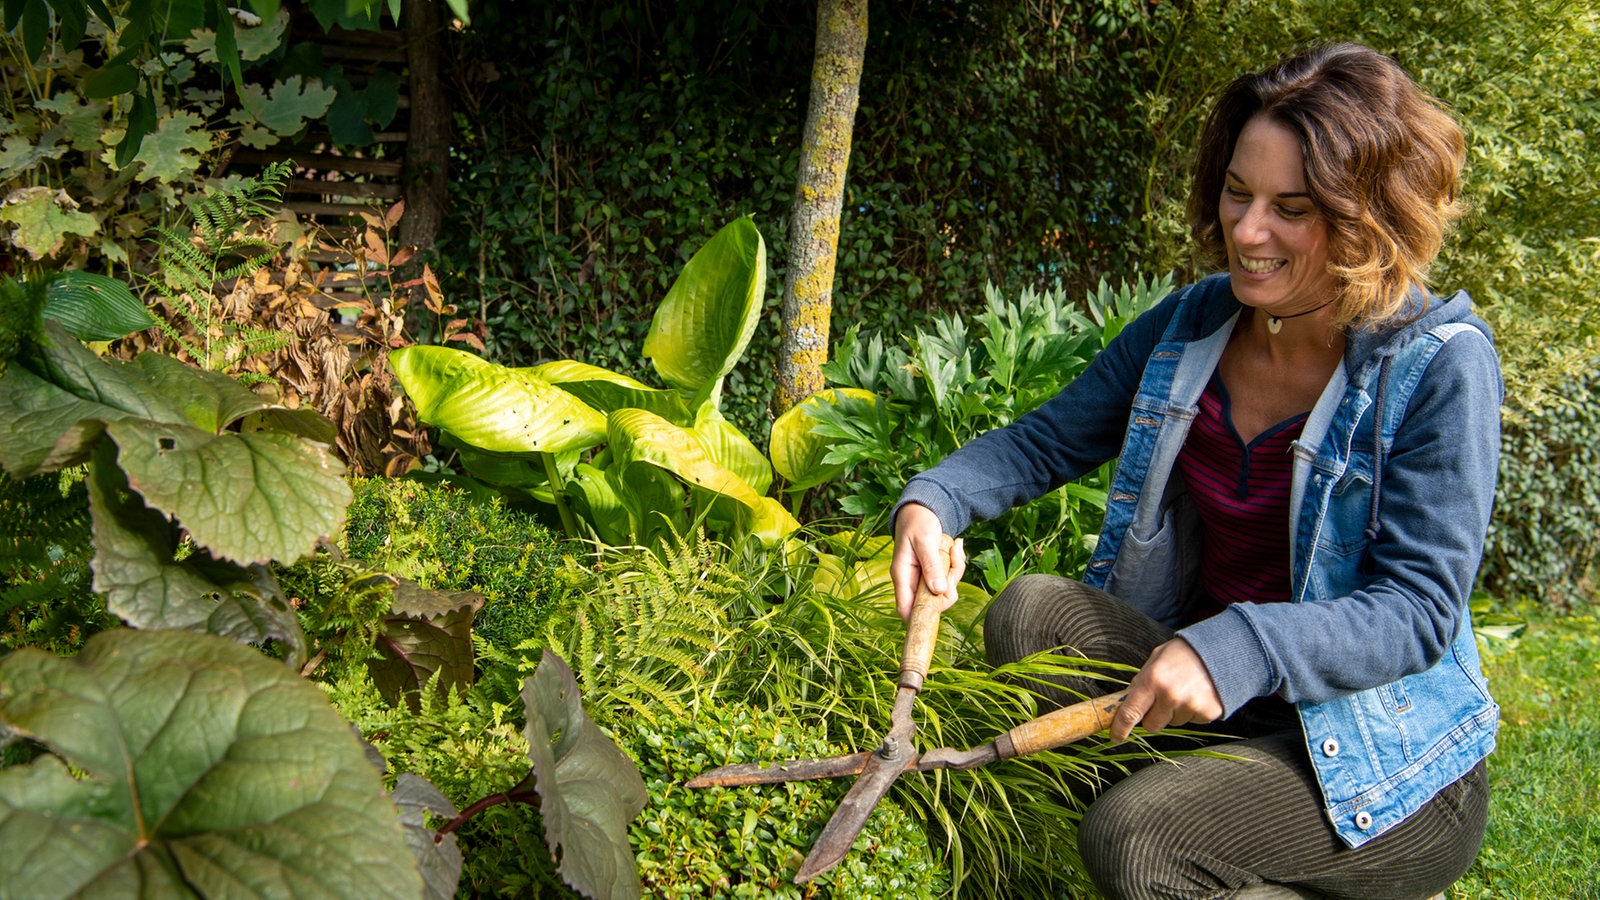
x=1241 y=492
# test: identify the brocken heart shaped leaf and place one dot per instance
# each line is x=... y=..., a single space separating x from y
x=426 y=633
x=589 y=790
x=268 y=495
x=207 y=768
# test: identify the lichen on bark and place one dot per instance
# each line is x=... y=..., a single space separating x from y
x=819 y=197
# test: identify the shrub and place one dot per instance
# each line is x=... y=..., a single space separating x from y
x=444 y=539
x=1542 y=541
x=950 y=385
x=747 y=842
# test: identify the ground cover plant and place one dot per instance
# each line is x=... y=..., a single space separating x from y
x=1543 y=836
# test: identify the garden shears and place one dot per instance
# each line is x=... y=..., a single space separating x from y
x=878 y=769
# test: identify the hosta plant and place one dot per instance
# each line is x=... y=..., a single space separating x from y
x=631 y=461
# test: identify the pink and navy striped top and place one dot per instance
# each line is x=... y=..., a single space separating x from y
x=1241 y=492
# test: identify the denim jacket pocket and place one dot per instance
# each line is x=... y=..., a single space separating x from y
x=1154 y=572
x=1349 y=508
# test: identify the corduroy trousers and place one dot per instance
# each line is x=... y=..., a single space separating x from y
x=1250 y=826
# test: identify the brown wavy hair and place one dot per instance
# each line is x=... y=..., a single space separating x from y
x=1382 y=165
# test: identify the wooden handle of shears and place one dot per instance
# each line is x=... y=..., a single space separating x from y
x=1063 y=726
x=922 y=630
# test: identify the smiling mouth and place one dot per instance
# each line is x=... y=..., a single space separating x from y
x=1260 y=266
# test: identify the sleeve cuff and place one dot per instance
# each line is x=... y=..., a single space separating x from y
x=930 y=494
x=1234 y=655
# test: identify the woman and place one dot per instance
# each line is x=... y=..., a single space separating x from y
x=1307 y=447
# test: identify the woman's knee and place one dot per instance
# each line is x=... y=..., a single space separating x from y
x=1017 y=623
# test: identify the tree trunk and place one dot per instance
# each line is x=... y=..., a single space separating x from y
x=428 y=136
x=818 y=197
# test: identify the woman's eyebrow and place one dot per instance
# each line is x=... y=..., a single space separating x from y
x=1291 y=195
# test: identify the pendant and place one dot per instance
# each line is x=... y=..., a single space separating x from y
x=1274 y=324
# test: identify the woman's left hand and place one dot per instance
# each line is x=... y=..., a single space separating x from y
x=1173 y=688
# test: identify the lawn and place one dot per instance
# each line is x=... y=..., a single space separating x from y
x=1544 y=822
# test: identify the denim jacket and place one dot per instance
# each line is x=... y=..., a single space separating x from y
x=1393 y=482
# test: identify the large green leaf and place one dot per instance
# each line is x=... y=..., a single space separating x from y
x=426 y=633
x=589 y=790
x=46 y=428
x=656 y=501
x=267 y=496
x=212 y=401
x=493 y=407
x=731 y=449
x=797 y=452
x=59 y=406
x=207 y=769
x=136 y=566
x=606 y=390
x=502 y=471
x=96 y=307
x=638 y=436
x=707 y=318
x=590 y=494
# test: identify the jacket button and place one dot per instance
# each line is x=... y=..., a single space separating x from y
x=1363 y=820
x=1330 y=747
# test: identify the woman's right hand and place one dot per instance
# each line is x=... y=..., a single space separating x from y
x=918 y=556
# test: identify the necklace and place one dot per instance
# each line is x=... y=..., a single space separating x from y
x=1275 y=323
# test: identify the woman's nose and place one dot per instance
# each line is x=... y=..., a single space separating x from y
x=1251 y=227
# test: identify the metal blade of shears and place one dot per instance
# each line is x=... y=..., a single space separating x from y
x=893 y=757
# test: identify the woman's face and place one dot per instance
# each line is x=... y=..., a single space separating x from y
x=1277 y=241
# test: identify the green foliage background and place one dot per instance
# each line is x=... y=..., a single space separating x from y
x=1018 y=144
x=586 y=171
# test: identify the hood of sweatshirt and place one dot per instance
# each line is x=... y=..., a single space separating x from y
x=1422 y=312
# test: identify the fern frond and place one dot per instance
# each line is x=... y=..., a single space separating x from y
x=252 y=340
x=642 y=688
x=40 y=513
x=643 y=637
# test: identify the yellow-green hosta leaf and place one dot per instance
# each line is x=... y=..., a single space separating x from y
x=797 y=453
x=771 y=522
x=198 y=767
x=730 y=447
x=656 y=501
x=606 y=390
x=492 y=407
x=706 y=321
x=502 y=471
x=591 y=495
x=637 y=435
